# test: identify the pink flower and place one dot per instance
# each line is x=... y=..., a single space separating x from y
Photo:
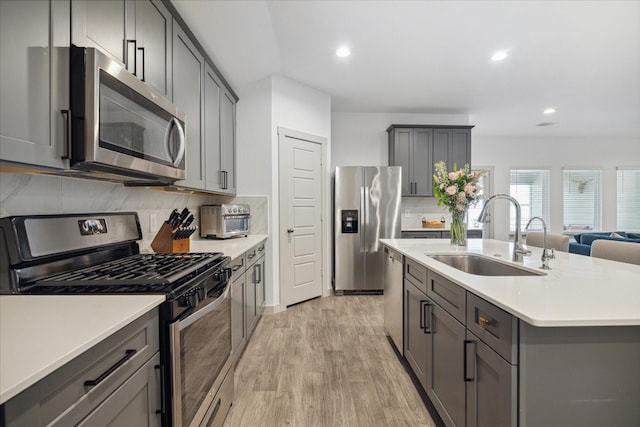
x=469 y=188
x=453 y=175
x=452 y=189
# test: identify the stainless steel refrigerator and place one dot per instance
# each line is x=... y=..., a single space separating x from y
x=366 y=203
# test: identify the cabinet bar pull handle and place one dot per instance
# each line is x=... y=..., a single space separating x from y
x=422 y=303
x=135 y=59
x=427 y=315
x=142 y=50
x=483 y=322
x=162 y=390
x=466 y=356
x=67 y=134
x=129 y=354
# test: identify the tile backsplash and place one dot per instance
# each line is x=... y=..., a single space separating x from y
x=35 y=194
x=415 y=208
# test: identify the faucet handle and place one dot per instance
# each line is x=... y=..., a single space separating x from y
x=551 y=253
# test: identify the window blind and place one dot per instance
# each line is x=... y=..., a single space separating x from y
x=582 y=199
x=530 y=187
x=628 y=199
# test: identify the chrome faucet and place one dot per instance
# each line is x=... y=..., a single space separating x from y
x=519 y=251
x=547 y=254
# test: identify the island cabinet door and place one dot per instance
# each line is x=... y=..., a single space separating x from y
x=445 y=361
x=415 y=338
x=491 y=384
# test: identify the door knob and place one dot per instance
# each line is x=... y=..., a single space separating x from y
x=289 y=230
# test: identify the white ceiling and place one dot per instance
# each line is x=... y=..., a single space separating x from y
x=580 y=57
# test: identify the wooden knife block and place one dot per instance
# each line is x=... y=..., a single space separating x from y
x=164 y=242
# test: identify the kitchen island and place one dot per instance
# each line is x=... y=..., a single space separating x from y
x=557 y=349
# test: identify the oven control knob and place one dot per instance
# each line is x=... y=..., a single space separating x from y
x=191 y=299
x=202 y=293
x=235 y=209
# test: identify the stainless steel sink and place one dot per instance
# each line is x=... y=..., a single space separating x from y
x=483 y=266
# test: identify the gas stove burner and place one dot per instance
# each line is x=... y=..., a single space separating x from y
x=136 y=273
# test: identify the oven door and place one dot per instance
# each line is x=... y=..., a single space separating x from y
x=201 y=350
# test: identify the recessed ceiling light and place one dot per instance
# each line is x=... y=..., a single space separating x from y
x=500 y=55
x=549 y=111
x=343 y=52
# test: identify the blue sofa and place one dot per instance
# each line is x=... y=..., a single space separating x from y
x=582 y=244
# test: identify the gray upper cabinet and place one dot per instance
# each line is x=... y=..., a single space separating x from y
x=417 y=148
x=188 y=71
x=212 y=91
x=101 y=24
x=227 y=142
x=153 y=44
x=453 y=146
x=411 y=149
x=33 y=66
x=135 y=33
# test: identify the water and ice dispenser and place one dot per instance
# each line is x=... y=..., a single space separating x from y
x=349 y=221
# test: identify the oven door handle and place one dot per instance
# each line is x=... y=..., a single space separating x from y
x=206 y=310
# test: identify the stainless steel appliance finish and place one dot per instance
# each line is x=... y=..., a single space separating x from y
x=393 y=297
x=120 y=129
x=366 y=209
x=98 y=253
x=224 y=221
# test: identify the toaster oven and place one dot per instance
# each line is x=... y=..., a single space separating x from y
x=224 y=221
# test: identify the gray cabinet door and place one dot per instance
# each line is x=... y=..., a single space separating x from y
x=188 y=70
x=101 y=24
x=460 y=147
x=445 y=385
x=228 y=142
x=415 y=338
x=422 y=164
x=134 y=403
x=212 y=92
x=153 y=44
x=262 y=287
x=253 y=274
x=491 y=386
x=32 y=126
x=441 y=138
x=400 y=155
x=238 y=328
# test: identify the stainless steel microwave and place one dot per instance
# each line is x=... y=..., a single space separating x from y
x=119 y=128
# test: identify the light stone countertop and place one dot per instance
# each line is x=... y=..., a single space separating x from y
x=578 y=291
x=41 y=333
x=233 y=247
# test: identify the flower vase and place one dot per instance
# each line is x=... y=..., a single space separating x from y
x=458 y=228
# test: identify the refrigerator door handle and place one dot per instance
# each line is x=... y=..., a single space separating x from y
x=363 y=248
x=366 y=219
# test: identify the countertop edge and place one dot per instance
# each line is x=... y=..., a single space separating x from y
x=455 y=276
x=13 y=390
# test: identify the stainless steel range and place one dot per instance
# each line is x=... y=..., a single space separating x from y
x=99 y=253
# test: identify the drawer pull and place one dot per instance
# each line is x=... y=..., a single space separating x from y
x=483 y=322
x=236 y=267
x=129 y=354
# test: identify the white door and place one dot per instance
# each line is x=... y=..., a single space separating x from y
x=300 y=217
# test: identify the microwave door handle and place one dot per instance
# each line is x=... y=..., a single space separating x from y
x=174 y=122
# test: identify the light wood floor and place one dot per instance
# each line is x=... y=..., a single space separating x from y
x=325 y=362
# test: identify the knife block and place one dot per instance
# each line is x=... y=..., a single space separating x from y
x=164 y=242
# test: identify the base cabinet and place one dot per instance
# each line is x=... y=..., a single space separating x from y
x=491 y=386
x=415 y=335
x=445 y=385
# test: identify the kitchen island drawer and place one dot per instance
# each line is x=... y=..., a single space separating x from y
x=448 y=294
x=494 y=326
x=78 y=387
x=417 y=272
x=237 y=266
